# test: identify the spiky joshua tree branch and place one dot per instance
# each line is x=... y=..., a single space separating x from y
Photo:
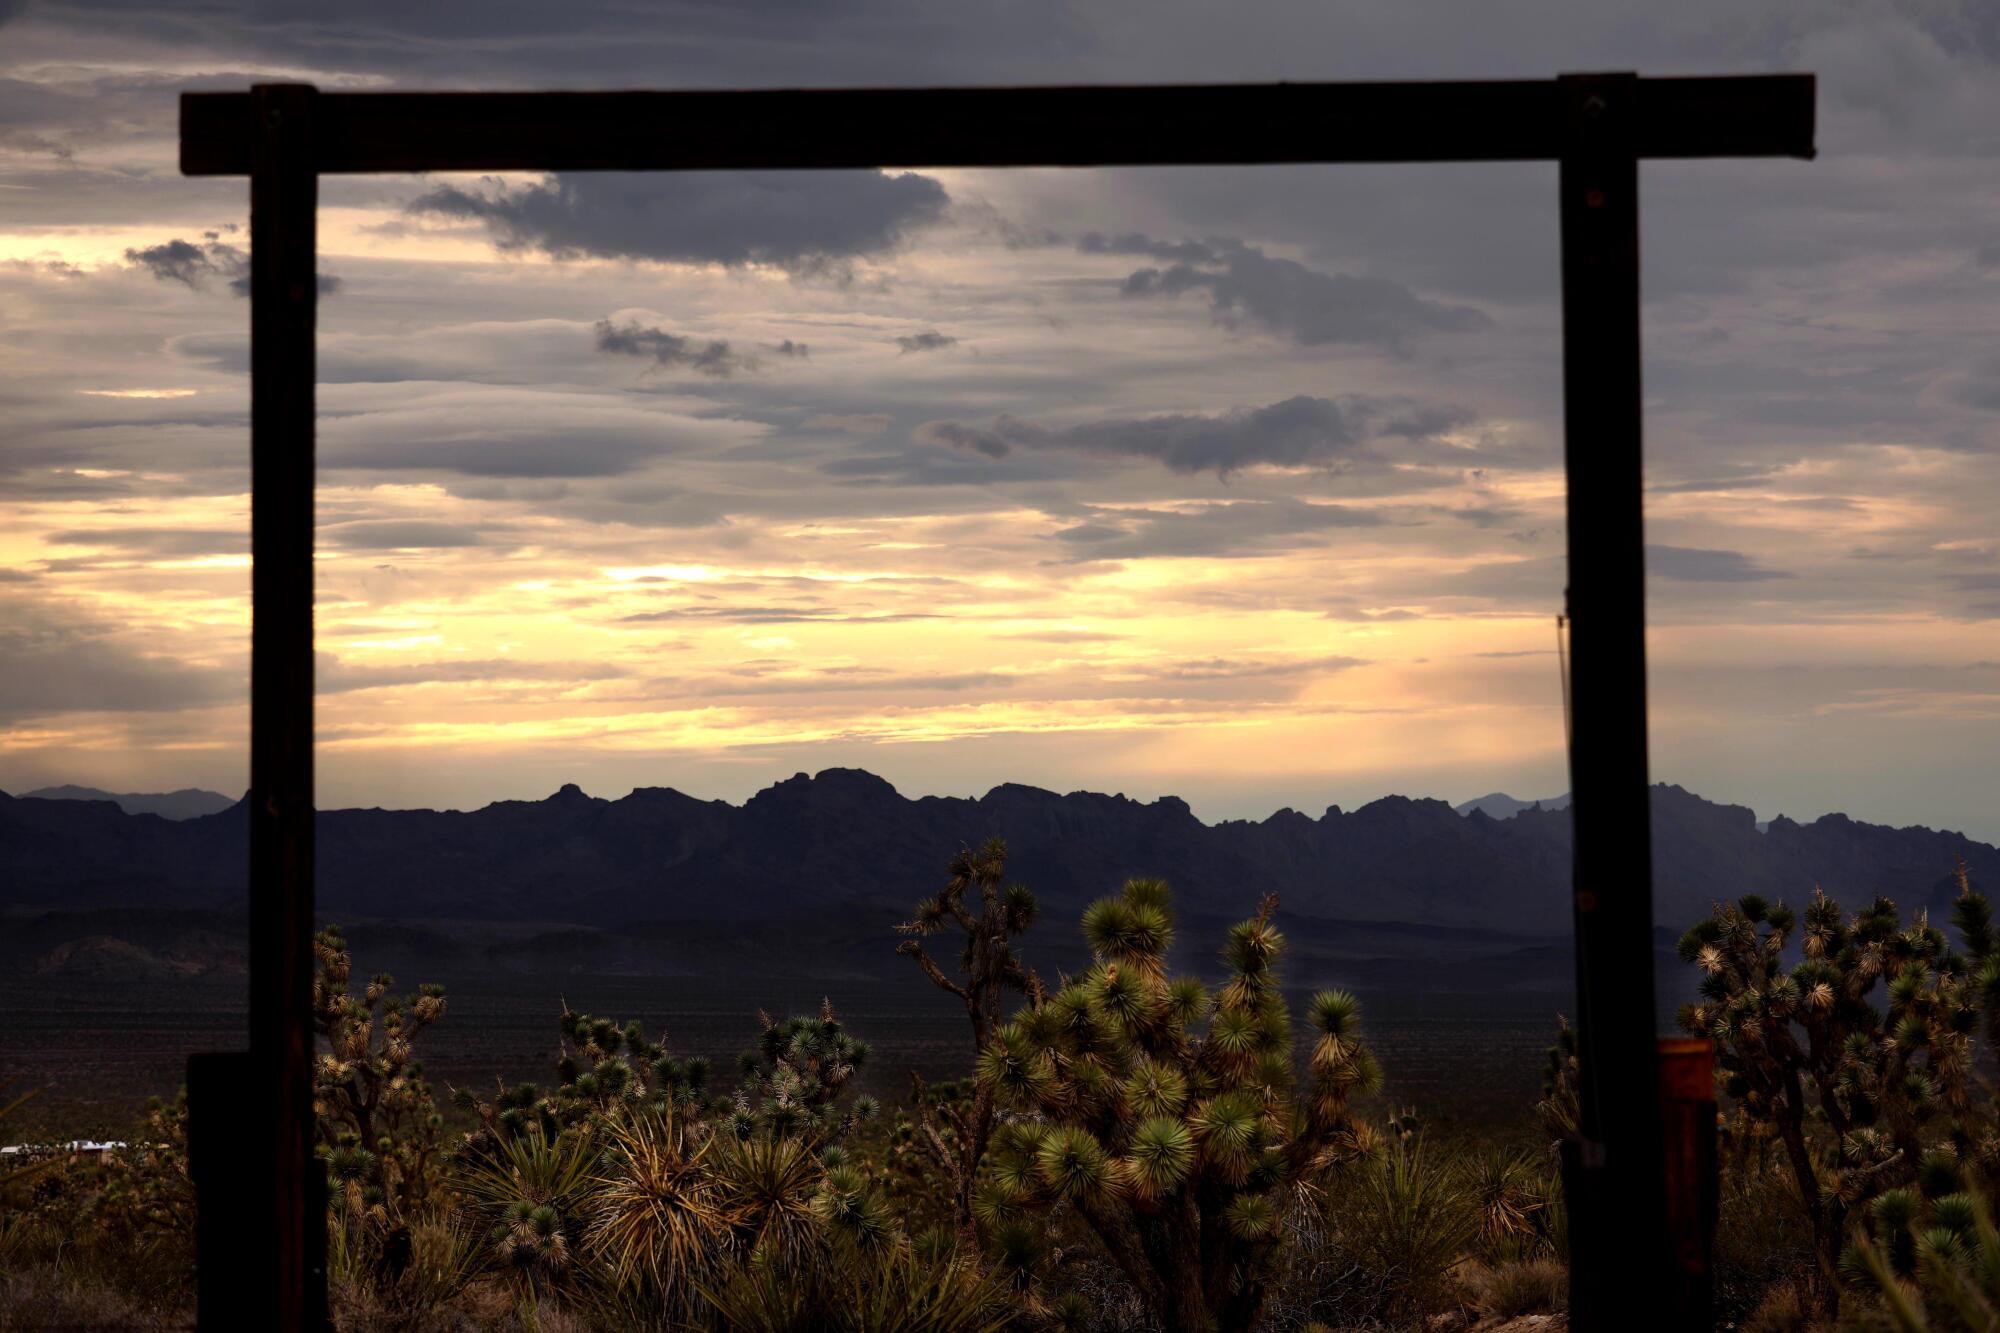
x=972 y=904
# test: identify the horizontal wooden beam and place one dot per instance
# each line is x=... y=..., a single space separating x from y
x=1748 y=116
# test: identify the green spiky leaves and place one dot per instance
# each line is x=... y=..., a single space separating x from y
x=1155 y=1089
x=1229 y=1130
x=1250 y=1217
x=1072 y=1164
x=1129 y=999
x=1135 y=933
x=1336 y=1013
x=1015 y=1068
x=1252 y=948
x=1188 y=1001
x=1160 y=1156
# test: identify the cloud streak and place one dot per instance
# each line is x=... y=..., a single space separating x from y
x=1311 y=308
x=714 y=357
x=801 y=221
x=1301 y=431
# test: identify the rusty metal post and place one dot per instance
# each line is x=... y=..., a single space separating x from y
x=1687 y=1114
x=1617 y=1194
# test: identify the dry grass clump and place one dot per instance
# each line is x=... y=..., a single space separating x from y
x=1517 y=1287
x=39 y=1296
x=1786 y=1308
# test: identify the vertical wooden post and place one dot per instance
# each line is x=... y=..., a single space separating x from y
x=228 y=1185
x=1619 y=1248
x=287 y=1258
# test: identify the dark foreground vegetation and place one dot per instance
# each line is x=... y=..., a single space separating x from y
x=1127 y=1149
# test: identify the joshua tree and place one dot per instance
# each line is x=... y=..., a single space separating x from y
x=794 y=1079
x=971 y=903
x=1168 y=1119
x=378 y=1124
x=1807 y=1047
x=1557 y=1110
x=604 y=1071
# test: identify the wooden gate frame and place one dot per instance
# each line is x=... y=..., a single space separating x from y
x=262 y=1240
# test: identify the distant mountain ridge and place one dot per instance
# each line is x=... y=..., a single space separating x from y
x=1499 y=805
x=811 y=844
x=187 y=803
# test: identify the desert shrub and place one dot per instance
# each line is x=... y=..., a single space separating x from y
x=40 y=1296
x=659 y=1218
x=893 y=1291
x=1403 y=1218
x=1515 y=1196
x=1788 y=1307
x=1763 y=1236
x=1515 y=1287
x=104 y=1233
x=771 y=1187
x=528 y=1192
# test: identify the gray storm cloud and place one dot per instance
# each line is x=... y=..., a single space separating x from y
x=714 y=357
x=930 y=340
x=195 y=266
x=1282 y=296
x=1300 y=431
x=802 y=221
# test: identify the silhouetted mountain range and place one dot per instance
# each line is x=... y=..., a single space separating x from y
x=807 y=845
x=187 y=803
x=1499 y=805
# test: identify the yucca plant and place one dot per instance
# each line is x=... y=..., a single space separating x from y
x=1856 y=1091
x=530 y=1190
x=956 y=1129
x=1513 y=1197
x=1933 y=1262
x=659 y=1219
x=771 y=1186
x=1406 y=1218
x=1170 y=1119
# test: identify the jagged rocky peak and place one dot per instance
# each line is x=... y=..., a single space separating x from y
x=854 y=784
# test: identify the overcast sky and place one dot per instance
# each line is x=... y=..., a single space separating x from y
x=1238 y=484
